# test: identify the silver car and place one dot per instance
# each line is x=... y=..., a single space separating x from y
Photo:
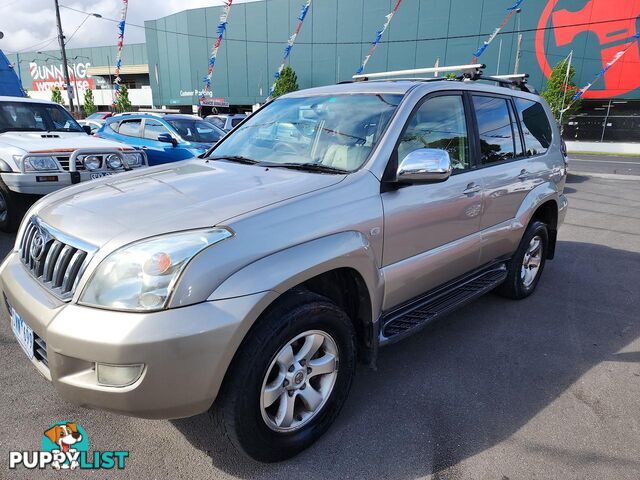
x=249 y=282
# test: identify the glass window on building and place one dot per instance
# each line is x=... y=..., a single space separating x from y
x=494 y=129
x=605 y=121
x=535 y=126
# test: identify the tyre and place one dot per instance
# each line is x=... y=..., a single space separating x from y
x=13 y=206
x=528 y=262
x=289 y=379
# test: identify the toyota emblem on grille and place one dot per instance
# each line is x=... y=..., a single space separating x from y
x=37 y=245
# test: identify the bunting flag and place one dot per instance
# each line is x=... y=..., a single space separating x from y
x=220 y=29
x=379 y=34
x=121 y=25
x=578 y=95
x=292 y=39
x=510 y=11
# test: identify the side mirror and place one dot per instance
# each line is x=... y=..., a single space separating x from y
x=87 y=129
x=167 y=138
x=425 y=165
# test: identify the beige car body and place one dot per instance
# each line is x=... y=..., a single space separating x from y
x=290 y=227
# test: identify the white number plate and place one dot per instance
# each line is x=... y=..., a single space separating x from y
x=100 y=175
x=23 y=332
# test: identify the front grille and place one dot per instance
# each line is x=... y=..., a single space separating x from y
x=40 y=350
x=58 y=265
x=64 y=163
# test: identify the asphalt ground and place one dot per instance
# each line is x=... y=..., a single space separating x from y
x=607 y=164
x=544 y=388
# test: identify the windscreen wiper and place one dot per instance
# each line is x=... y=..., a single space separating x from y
x=235 y=158
x=306 y=167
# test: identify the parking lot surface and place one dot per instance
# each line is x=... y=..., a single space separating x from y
x=547 y=387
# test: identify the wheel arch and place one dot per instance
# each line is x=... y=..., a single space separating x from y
x=341 y=267
x=542 y=203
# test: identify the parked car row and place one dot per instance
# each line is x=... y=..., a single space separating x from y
x=43 y=148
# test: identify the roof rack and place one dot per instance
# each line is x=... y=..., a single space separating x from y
x=471 y=72
x=471 y=69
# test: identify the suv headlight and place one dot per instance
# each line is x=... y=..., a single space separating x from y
x=140 y=276
x=39 y=163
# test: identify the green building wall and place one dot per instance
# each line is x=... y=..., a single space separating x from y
x=335 y=37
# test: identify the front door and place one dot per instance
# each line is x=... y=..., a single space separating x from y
x=160 y=152
x=431 y=231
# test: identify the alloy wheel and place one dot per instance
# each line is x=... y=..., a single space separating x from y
x=299 y=381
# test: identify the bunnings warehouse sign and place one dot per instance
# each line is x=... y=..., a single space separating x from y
x=46 y=76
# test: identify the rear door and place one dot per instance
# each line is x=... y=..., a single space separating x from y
x=509 y=161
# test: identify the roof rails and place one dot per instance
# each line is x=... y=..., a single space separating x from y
x=471 y=72
x=470 y=69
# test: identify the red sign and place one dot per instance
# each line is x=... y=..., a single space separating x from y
x=45 y=77
x=614 y=23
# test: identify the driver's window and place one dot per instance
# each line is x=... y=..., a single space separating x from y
x=439 y=123
x=153 y=129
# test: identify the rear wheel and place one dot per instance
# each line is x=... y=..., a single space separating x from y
x=289 y=379
x=13 y=206
x=528 y=262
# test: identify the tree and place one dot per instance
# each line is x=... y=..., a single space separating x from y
x=286 y=82
x=56 y=95
x=89 y=105
x=123 y=104
x=558 y=94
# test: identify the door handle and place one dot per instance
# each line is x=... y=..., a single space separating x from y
x=524 y=174
x=471 y=189
x=145 y=148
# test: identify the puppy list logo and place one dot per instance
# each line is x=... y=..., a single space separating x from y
x=65 y=445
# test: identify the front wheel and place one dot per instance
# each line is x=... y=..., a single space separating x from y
x=13 y=206
x=289 y=379
x=528 y=262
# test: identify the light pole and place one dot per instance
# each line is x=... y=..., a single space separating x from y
x=63 y=52
x=65 y=66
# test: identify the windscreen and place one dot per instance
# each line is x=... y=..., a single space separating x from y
x=332 y=131
x=36 y=117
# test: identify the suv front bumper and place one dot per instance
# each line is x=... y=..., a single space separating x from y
x=42 y=183
x=185 y=351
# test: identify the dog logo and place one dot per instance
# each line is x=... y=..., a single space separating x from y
x=68 y=439
x=614 y=24
x=65 y=446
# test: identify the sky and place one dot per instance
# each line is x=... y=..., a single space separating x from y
x=30 y=25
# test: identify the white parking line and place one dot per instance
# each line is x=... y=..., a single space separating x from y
x=601 y=161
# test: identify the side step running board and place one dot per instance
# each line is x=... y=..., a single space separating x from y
x=416 y=314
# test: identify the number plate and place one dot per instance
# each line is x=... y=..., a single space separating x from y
x=23 y=333
x=100 y=175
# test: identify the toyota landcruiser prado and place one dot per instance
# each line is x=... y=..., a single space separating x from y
x=252 y=279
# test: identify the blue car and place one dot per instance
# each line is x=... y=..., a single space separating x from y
x=165 y=138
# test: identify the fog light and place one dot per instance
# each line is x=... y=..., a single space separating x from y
x=92 y=162
x=118 y=375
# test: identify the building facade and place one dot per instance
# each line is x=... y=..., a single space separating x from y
x=89 y=68
x=337 y=34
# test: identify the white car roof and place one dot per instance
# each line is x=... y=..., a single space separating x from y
x=25 y=100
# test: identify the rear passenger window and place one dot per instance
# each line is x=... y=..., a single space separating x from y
x=494 y=128
x=130 y=127
x=535 y=126
x=439 y=123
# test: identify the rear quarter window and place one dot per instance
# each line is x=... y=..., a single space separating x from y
x=535 y=126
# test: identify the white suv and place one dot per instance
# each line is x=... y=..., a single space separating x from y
x=226 y=121
x=42 y=149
